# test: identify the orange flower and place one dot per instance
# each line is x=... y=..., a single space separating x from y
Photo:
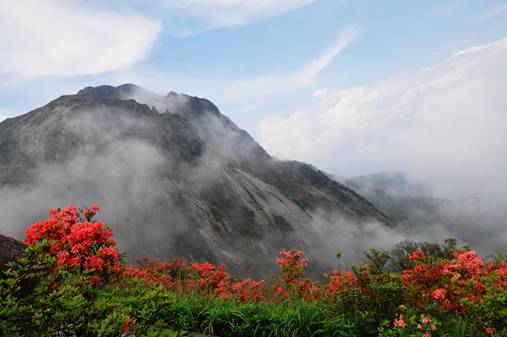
x=126 y=324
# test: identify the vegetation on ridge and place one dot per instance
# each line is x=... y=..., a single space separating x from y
x=82 y=287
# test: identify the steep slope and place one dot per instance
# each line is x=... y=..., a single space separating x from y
x=175 y=178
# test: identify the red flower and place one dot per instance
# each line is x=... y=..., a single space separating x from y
x=400 y=322
x=77 y=243
x=126 y=324
x=248 y=290
x=417 y=255
x=95 y=262
x=95 y=280
x=94 y=208
x=439 y=293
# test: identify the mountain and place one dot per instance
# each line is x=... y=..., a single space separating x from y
x=404 y=202
x=473 y=221
x=175 y=177
x=392 y=183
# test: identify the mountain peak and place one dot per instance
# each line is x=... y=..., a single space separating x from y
x=101 y=92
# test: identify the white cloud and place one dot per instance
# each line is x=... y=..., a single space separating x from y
x=228 y=13
x=444 y=125
x=43 y=37
x=316 y=66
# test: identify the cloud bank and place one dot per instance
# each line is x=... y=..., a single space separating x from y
x=55 y=38
x=443 y=125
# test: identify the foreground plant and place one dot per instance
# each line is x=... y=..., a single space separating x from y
x=465 y=285
x=78 y=243
x=72 y=281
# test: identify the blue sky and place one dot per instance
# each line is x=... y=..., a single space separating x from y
x=287 y=71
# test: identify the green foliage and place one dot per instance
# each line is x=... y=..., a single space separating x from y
x=66 y=304
x=399 y=256
x=453 y=327
x=377 y=259
x=491 y=311
x=226 y=318
x=377 y=297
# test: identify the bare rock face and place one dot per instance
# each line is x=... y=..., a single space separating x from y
x=175 y=177
x=10 y=249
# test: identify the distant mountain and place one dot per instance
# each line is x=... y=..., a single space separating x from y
x=403 y=201
x=391 y=183
x=473 y=221
x=175 y=177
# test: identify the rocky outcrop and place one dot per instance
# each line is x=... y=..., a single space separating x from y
x=10 y=250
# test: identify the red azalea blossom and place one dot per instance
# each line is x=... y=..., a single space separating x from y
x=417 y=255
x=248 y=290
x=400 y=322
x=95 y=280
x=77 y=243
x=453 y=284
x=439 y=293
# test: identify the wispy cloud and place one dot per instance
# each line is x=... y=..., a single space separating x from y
x=202 y=15
x=41 y=37
x=313 y=68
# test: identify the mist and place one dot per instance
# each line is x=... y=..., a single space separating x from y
x=96 y=163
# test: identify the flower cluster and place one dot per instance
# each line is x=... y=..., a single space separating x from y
x=248 y=290
x=205 y=279
x=152 y=272
x=78 y=242
x=212 y=279
x=446 y=282
x=340 y=281
x=415 y=325
x=292 y=282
